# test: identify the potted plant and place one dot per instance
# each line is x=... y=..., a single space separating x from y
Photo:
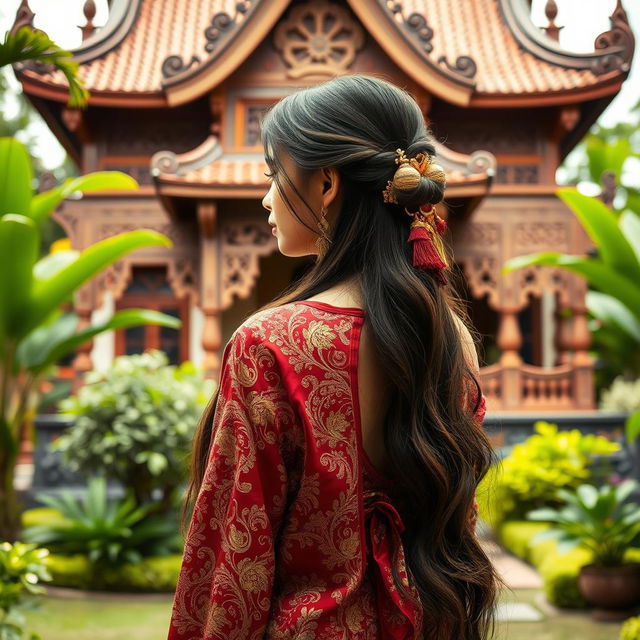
x=598 y=519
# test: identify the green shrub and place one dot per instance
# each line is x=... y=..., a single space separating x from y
x=559 y=572
x=106 y=530
x=22 y=567
x=595 y=517
x=154 y=574
x=41 y=516
x=516 y=535
x=630 y=629
x=530 y=476
x=135 y=423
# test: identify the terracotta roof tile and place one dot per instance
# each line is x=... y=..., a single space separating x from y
x=477 y=29
x=474 y=28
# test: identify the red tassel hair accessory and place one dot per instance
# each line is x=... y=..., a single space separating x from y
x=428 y=249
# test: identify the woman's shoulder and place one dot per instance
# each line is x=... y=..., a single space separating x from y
x=297 y=331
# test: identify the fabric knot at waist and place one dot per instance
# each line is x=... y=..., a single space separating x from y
x=399 y=617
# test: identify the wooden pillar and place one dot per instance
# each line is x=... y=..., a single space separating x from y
x=83 y=307
x=583 y=387
x=509 y=340
x=210 y=294
x=562 y=334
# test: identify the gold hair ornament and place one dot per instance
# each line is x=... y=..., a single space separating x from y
x=429 y=252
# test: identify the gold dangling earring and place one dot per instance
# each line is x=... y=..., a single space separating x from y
x=323 y=241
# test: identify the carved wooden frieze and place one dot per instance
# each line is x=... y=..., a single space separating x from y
x=243 y=244
x=318 y=38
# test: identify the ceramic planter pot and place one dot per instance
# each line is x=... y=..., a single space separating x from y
x=611 y=590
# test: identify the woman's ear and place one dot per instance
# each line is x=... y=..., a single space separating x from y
x=330 y=186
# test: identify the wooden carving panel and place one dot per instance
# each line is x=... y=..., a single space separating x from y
x=243 y=244
x=504 y=227
x=318 y=38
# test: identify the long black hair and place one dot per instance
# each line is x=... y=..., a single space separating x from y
x=437 y=452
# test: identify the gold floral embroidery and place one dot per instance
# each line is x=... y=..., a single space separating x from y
x=261 y=409
x=314 y=585
x=318 y=335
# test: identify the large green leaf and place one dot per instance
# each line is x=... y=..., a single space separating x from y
x=44 y=203
x=50 y=292
x=630 y=226
x=611 y=311
x=606 y=156
x=64 y=344
x=602 y=226
x=16 y=177
x=52 y=263
x=19 y=246
x=33 y=350
x=632 y=427
x=597 y=273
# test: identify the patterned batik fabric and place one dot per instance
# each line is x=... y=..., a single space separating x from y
x=293 y=535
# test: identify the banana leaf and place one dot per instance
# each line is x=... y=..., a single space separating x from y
x=612 y=312
x=16 y=177
x=602 y=226
x=44 y=203
x=65 y=342
x=19 y=246
x=50 y=292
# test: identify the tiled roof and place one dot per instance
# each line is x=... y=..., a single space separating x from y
x=474 y=28
x=207 y=168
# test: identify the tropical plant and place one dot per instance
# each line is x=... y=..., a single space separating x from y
x=105 y=529
x=614 y=272
x=595 y=518
x=531 y=474
x=31 y=44
x=22 y=567
x=34 y=333
x=135 y=423
x=609 y=150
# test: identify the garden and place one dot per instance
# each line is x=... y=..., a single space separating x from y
x=74 y=560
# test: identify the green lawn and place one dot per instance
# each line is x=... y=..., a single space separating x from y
x=147 y=618
x=104 y=618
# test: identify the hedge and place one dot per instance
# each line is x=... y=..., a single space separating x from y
x=153 y=574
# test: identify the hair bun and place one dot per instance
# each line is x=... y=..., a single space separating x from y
x=436 y=173
x=406 y=178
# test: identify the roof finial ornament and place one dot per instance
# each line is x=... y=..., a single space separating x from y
x=552 y=29
x=24 y=16
x=89 y=10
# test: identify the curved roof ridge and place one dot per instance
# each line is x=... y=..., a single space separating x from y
x=481 y=53
x=613 y=48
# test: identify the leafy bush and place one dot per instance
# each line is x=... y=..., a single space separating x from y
x=532 y=473
x=153 y=574
x=135 y=423
x=630 y=629
x=21 y=569
x=113 y=531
